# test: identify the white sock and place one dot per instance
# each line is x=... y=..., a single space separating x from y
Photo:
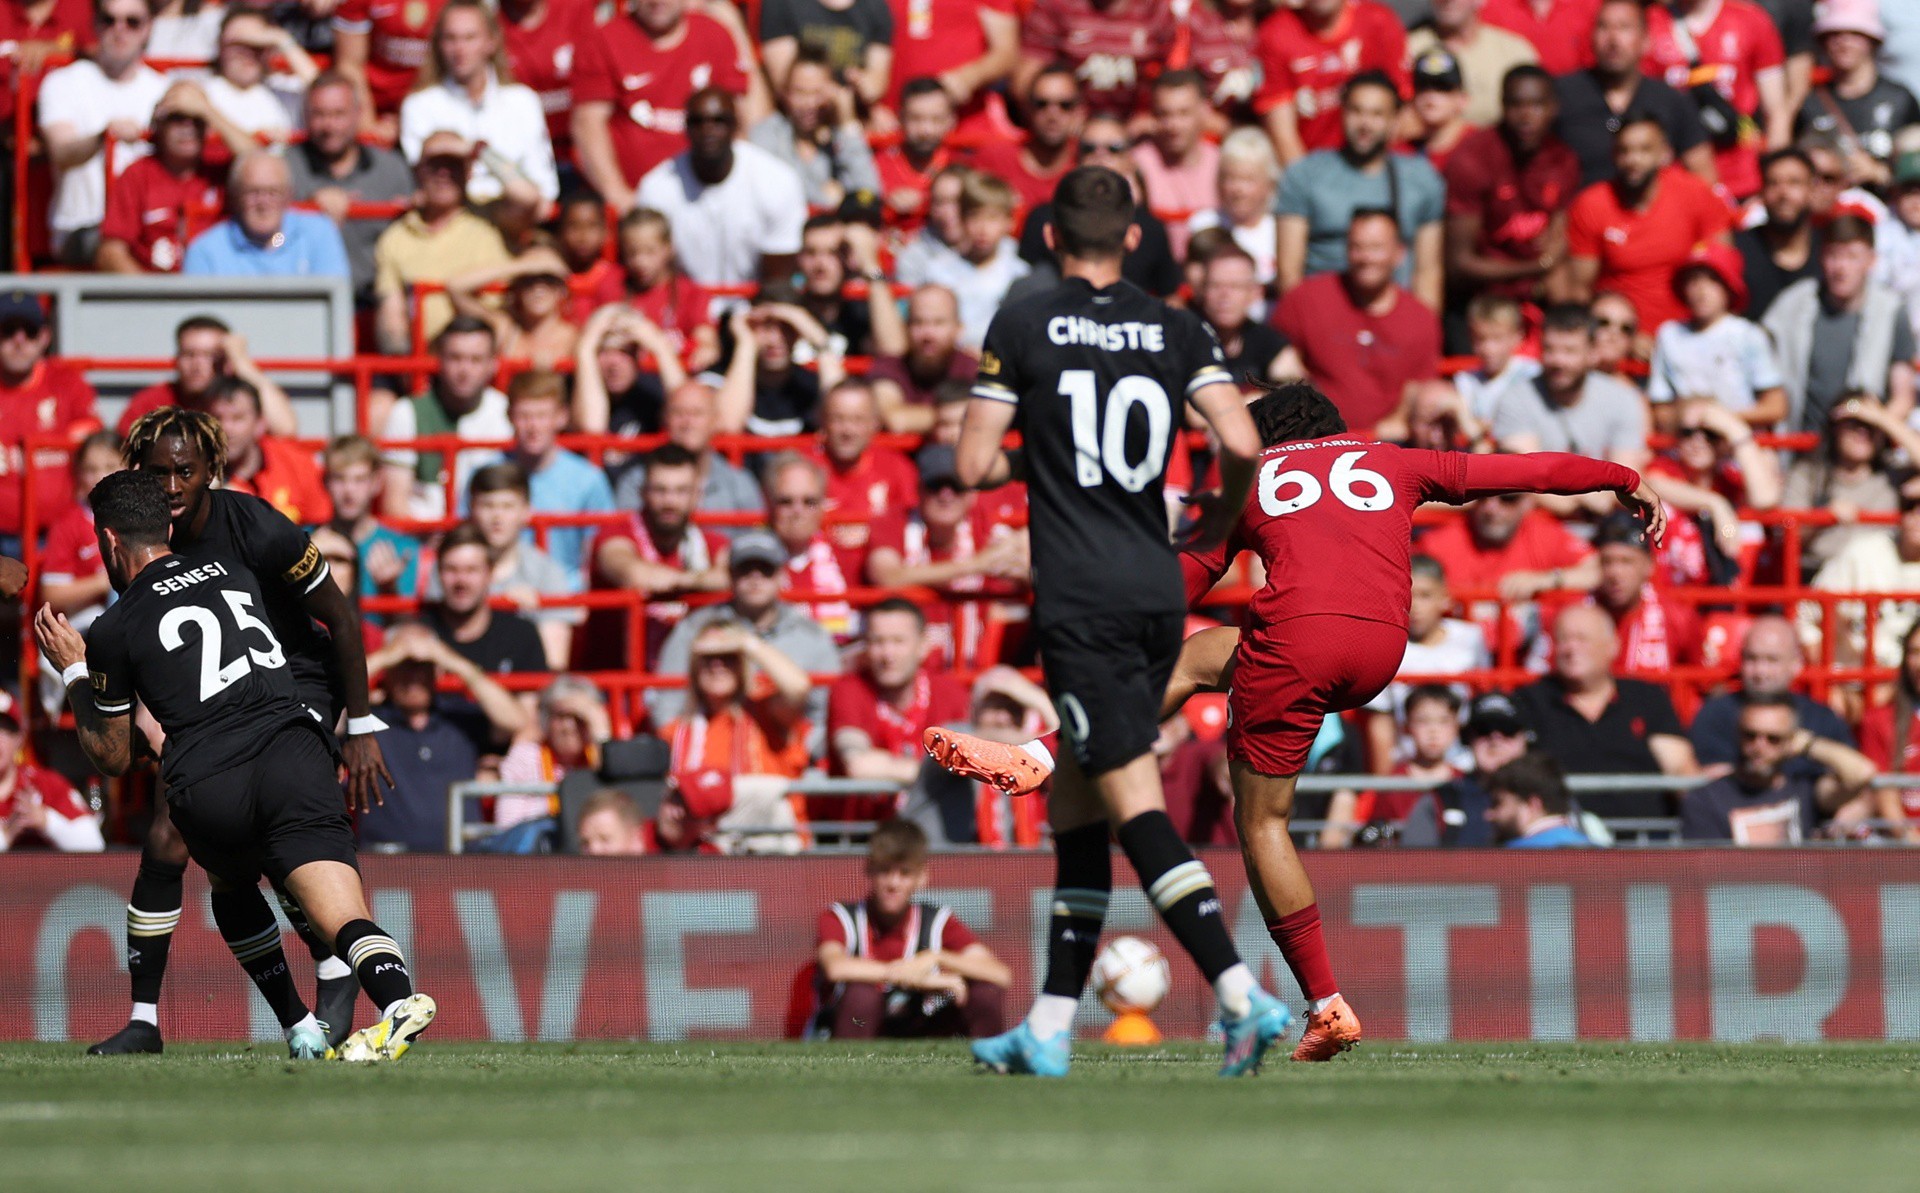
x=1233 y=988
x=1038 y=752
x=146 y=1012
x=1320 y=1004
x=309 y=1021
x=1051 y=1015
x=331 y=969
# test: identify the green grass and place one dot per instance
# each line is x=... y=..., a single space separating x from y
x=915 y=1117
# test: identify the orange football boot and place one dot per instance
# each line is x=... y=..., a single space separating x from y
x=1330 y=1031
x=1009 y=768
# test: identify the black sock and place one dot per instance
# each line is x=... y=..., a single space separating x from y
x=152 y=915
x=246 y=923
x=377 y=961
x=316 y=948
x=1083 y=880
x=1181 y=890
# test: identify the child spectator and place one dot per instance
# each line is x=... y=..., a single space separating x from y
x=532 y=324
x=1713 y=352
x=786 y=396
x=650 y=281
x=73 y=577
x=1714 y=471
x=563 y=481
x=500 y=503
x=1432 y=731
x=988 y=260
x=279 y=473
x=1496 y=328
x=833 y=251
x=932 y=250
x=39 y=809
x=244 y=89
x=388 y=559
x=1436 y=645
x=580 y=237
x=163 y=200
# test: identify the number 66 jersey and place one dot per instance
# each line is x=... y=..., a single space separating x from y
x=188 y=638
x=1100 y=380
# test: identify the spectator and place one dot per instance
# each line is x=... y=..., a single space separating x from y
x=1633 y=233
x=746 y=707
x=927 y=121
x=1655 y=633
x=1869 y=563
x=1507 y=194
x=544 y=41
x=1763 y=802
x=933 y=246
x=1560 y=31
x=1455 y=813
x=39 y=809
x=582 y=238
x=332 y=170
x=968 y=51
x=466 y=87
x=1842 y=332
x=461 y=400
x=1591 y=723
x=1103 y=42
x=1742 y=45
x=796 y=490
x=1770 y=665
x=382 y=52
x=1848 y=474
x=500 y=503
x=343 y=561
x=1226 y=298
x=1221 y=41
x=1509 y=544
x=73 y=577
x=264 y=237
x=878 y=712
x=737 y=208
x=388 y=559
x=633 y=91
x=279 y=473
x=658 y=552
x=1149 y=265
x=245 y=90
x=1714 y=471
x=611 y=825
x=689 y=422
x=1360 y=336
x=988 y=259
x=1007 y=707
x=431 y=742
x=162 y=200
x=1713 y=352
x=786 y=394
x=652 y=283
x=110 y=94
x=1437 y=416
x=832 y=252
x=906 y=385
x=205 y=351
x=1055 y=107
x=864 y=482
x=574 y=730
x=817 y=132
x=1436 y=645
x=1249 y=182
x=439 y=239
x=1856 y=104
x=1887 y=730
x=1308 y=55
x=1785 y=247
x=562 y=481
x=1571 y=408
x=1432 y=735
x=495 y=642
x=1322 y=192
x=854 y=38
x=1618 y=346
x=1596 y=101
x=1439 y=107
x=611 y=392
x=532 y=324
x=1531 y=807
x=1486 y=54
x=1179 y=167
x=39 y=396
x=1496 y=329
x=893 y=966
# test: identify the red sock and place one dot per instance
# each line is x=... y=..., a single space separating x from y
x=1305 y=951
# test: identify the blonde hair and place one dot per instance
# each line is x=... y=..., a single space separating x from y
x=981 y=191
x=432 y=73
x=1250 y=147
x=202 y=432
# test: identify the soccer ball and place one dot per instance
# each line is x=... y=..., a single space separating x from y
x=1131 y=974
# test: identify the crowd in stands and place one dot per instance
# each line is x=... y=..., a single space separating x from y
x=760 y=244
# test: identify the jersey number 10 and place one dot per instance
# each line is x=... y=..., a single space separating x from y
x=1100 y=451
x=1344 y=478
x=216 y=677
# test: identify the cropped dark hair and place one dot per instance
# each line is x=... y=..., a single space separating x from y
x=1370 y=78
x=466 y=325
x=1533 y=775
x=1523 y=72
x=1770 y=700
x=1434 y=692
x=672 y=455
x=464 y=535
x=1294 y=410
x=1568 y=316
x=200 y=322
x=899 y=605
x=1848 y=228
x=924 y=85
x=1427 y=567
x=134 y=506
x=503 y=477
x=897 y=844
x=1092 y=210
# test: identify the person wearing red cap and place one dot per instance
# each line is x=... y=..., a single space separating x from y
x=1713 y=352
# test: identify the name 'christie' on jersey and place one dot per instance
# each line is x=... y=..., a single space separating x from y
x=1099 y=379
x=186 y=638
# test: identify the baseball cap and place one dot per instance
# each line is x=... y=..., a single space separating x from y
x=937 y=462
x=1437 y=70
x=706 y=793
x=756 y=546
x=1494 y=712
x=860 y=207
x=22 y=306
x=1906 y=167
x=1724 y=262
x=1850 y=16
x=1621 y=529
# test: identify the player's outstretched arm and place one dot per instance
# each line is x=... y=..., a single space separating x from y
x=1547 y=472
x=107 y=740
x=980 y=459
x=366 y=766
x=1226 y=412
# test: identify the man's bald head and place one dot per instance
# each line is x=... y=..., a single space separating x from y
x=1584 y=645
x=1770 y=658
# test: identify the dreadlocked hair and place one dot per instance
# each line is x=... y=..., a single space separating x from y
x=202 y=433
x=1294 y=410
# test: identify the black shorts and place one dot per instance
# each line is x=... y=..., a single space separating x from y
x=1107 y=673
x=321 y=695
x=270 y=815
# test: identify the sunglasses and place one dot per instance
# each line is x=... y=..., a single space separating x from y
x=1092 y=147
x=109 y=21
x=1777 y=739
x=17 y=327
x=693 y=119
x=1624 y=326
x=1064 y=105
x=808 y=502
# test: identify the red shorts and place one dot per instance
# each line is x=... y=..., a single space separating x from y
x=1288 y=676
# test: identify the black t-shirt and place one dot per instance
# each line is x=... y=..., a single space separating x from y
x=1765 y=279
x=1723 y=810
x=842 y=37
x=1259 y=344
x=288 y=566
x=1587 y=124
x=1098 y=379
x=788 y=406
x=1616 y=744
x=1873 y=118
x=510 y=644
x=1794 y=20
x=1150 y=267
x=188 y=640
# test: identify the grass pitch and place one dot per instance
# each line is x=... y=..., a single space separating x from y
x=915 y=1117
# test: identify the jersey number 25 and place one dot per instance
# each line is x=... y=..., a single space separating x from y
x=215 y=676
x=1100 y=437
x=1346 y=479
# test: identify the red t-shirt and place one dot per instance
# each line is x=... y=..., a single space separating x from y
x=937 y=698
x=288 y=480
x=1741 y=42
x=54 y=400
x=898 y=178
x=1639 y=251
x=604 y=638
x=1541 y=544
x=587 y=285
x=1224 y=54
x=56 y=794
x=1003 y=159
x=69 y=25
x=1352 y=500
x=1681 y=557
x=679 y=306
x=1362 y=361
x=1512 y=203
x=649 y=84
x=1115 y=49
x=881 y=480
x=1563 y=38
x=931 y=37
x=543 y=58
x=157 y=214
x=1876 y=742
x=1308 y=69
x=954 y=628
x=156 y=396
x=399 y=43
x=73 y=549
x=890 y=942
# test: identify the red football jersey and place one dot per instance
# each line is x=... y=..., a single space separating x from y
x=678 y=307
x=1741 y=42
x=543 y=58
x=880 y=481
x=931 y=37
x=1563 y=37
x=897 y=175
x=54 y=401
x=1308 y=69
x=157 y=214
x=1639 y=251
x=1114 y=49
x=937 y=698
x=400 y=41
x=604 y=636
x=954 y=628
x=73 y=549
x=68 y=24
x=649 y=84
x=1332 y=520
x=1002 y=159
x=1223 y=51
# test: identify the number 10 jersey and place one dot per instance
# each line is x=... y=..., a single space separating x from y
x=1100 y=380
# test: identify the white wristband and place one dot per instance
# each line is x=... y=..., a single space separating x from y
x=73 y=674
x=370 y=723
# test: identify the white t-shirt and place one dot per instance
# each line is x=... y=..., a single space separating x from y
x=194 y=38
x=1483 y=393
x=978 y=290
x=720 y=232
x=1462 y=647
x=508 y=118
x=85 y=99
x=1730 y=361
x=1259 y=240
x=486 y=421
x=258 y=109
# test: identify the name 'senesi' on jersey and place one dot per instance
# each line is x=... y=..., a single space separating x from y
x=1078 y=330
x=186 y=580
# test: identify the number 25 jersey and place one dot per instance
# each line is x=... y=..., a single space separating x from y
x=1099 y=380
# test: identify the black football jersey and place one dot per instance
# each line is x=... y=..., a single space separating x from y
x=243 y=528
x=188 y=639
x=1100 y=379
